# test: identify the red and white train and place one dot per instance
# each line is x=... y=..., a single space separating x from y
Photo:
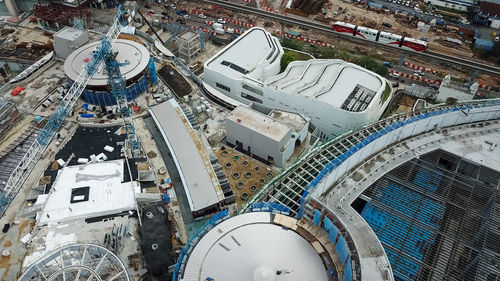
x=383 y=37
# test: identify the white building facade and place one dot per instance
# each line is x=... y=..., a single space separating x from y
x=328 y=92
x=264 y=136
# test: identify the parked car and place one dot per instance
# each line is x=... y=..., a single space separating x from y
x=164 y=13
x=220 y=20
x=424 y=39
x=386 y=24
x=173 y=6
x=388 y=64
x=152 y=12
x=419 y=73
x=202 y=16
x=186 y=16
x=395 y=75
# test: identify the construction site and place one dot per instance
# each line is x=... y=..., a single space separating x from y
x=202 y=141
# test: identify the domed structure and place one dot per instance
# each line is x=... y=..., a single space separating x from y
x=78 y=262
x=133 y=59
x=255 y=246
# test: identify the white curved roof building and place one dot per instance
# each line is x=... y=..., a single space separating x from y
x=334 y=94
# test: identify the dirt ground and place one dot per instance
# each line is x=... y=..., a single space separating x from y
x=259 y=173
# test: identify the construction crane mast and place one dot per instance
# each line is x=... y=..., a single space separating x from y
x=102 y=53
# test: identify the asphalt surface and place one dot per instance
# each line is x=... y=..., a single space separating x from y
x=193 y=20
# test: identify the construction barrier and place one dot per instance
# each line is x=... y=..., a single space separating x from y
x=316 y=42
x=414 y=77
x=485 y=87
x=419 y=67
x=433 y=71
x=239 y=23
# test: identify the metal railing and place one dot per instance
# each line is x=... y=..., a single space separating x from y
x=193 y=241
x=385 y=125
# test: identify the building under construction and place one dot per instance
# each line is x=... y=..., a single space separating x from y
x=416 y=197
x=9 y=116
x=438 y=218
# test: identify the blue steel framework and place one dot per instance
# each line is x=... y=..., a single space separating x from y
x=117 y=84
x=101 y=53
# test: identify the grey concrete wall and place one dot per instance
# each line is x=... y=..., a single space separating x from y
x=260 y=145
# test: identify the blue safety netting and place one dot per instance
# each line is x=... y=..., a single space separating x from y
x=270 y=207
x=328 y=224
x=332 y=235
x=107 y=99
x=152 y=71
x=317 y=217
x=348 y=270
x=342 y=249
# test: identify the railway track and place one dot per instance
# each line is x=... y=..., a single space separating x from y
x=467 y=63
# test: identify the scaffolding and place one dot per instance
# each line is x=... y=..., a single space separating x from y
x=189 y=45
x=9 y=116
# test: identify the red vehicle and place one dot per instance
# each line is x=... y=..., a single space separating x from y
x=382 y=37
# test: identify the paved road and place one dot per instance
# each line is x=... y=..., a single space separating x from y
x=193 y=20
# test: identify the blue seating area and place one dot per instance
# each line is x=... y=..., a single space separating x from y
x=427 y=179
x=403 y=241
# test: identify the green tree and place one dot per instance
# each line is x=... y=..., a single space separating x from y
x=292 y=44
x=371 y=64
x=287 y=58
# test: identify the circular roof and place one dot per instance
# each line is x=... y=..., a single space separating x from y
x=133 y=55
x=249 y=247
x=88 y=261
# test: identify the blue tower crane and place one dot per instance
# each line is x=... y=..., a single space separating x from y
x=102 y=53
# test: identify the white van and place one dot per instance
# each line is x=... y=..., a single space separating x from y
x=217 y=25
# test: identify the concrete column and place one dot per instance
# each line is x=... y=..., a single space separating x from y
x=11 y=6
